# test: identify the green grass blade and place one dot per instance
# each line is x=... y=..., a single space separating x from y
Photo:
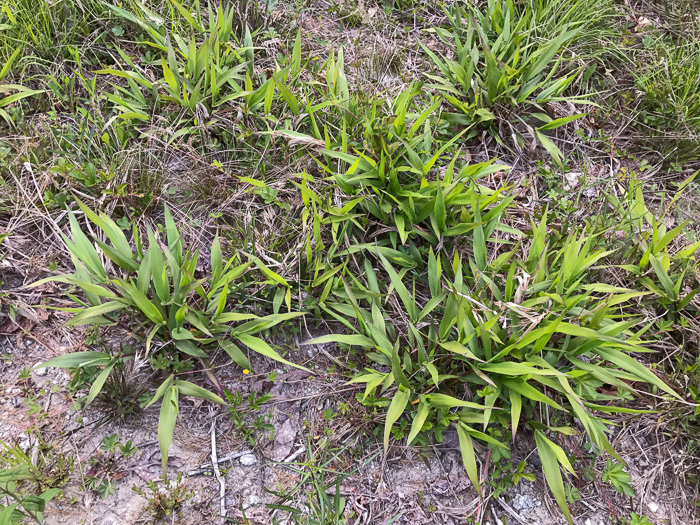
x=550 y=467
x=401 y=290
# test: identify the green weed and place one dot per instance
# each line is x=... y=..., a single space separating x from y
x=319 y=487
x=166 y=501
x=181 y=319
x=26 y=488
x=503 y=62
x=670 y=107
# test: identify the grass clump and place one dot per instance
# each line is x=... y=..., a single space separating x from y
x=179 y=317
x=505 y=71
x=490 y=347
x=670 y=105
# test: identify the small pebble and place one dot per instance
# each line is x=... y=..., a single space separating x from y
x=653 y=506
x=41 y=371
x=522 y=502
x=252 y=501
x=14 y=402
x=248 y=460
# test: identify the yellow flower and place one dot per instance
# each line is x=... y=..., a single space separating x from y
x=246 y=371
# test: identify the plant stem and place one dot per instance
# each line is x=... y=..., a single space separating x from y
x=14 y=496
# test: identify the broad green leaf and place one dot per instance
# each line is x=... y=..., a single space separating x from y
x=632 y=366
x=73 y=279
x=124 y=262
x=236 y=355
x=113 y=232
x=189 y=348
x=287 y=95
x=401 y=290
x=190 y=389
x=17 y=473
x=33 y=503
x=143 y=279
x=166 y=423
x=187 y=16
x=457 y=348
x=418 y=421
x=248 y=46
x=515 y=408
x=466 y=447
x=174 y=240
x=445 y=401
x=161 y=390
x=397 y=369
x=511 y=368
x=151 y=335
x=663 y=276
x=83 y=249
x=550 y=146
x=525 y=389
x=350 y=339
x=10 y=514
x=142 y=302
x=216 y=259
x=396 y=408
x=221 y=303
x=440 y=210
x=434 y=273
x=479 y=238
x=181 y=334
x=296 y=57
x=550 y=467
x=92 y=314
x=560 y=122
x=261 y=347
x=76 y=360
x=99 y=382
x=235 y=316
x=6 y=68
x=433 y=373
x=24 y=93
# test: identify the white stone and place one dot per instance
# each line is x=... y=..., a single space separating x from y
x=252 y=500
x=248 y=460
x=653 y=506
x=571 y=179
x=41 y=371
x=24 y=444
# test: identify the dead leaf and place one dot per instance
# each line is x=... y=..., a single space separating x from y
x=643 y=21
x=284 y=440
